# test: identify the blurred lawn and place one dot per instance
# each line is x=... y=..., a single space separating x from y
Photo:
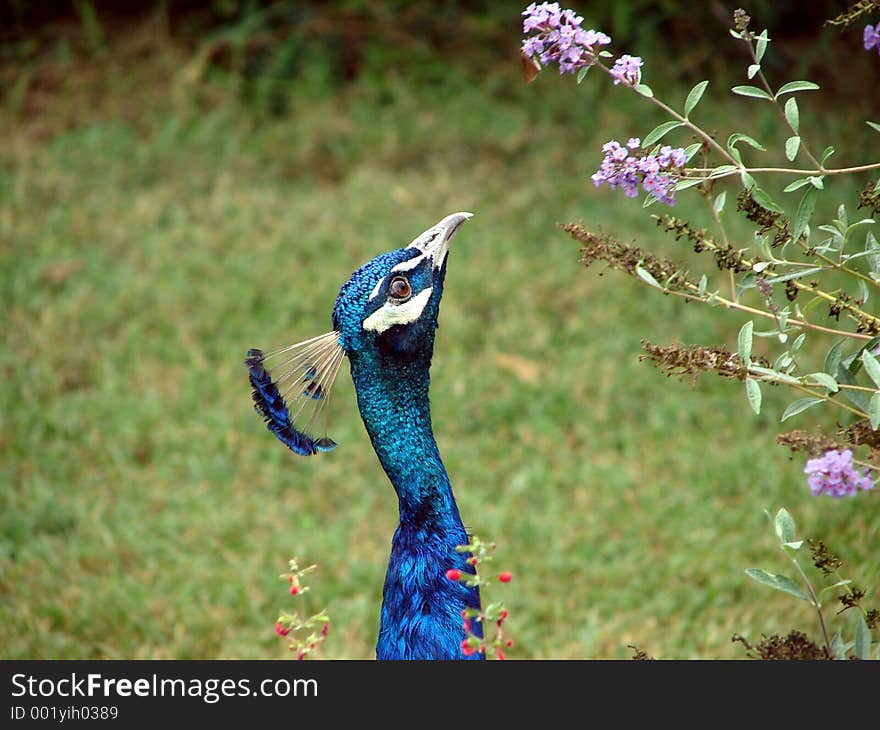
x=147 y=513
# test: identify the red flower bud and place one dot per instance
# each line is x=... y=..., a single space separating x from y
x=281 y=629
x=294 y=589
x=467 y=649
x=504 y=614
x=472 y=561
x=500 y=654
x=453 y=574
x=505 y=577
x=325 y=629
x=508 y=643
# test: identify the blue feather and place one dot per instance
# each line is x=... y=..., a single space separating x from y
x=270 y=404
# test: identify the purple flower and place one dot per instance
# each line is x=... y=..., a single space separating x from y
x=871 y=37
x=626 y=70
x=834 y=474
x=559 y=37
x=623 y=168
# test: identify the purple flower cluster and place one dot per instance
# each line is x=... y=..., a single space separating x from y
x=834 y=474
x=622 y=168
x=626 y=70
x=559 y=37
x=871 y=37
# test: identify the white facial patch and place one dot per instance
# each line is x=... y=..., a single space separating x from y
x=376 y=289
x=409 y=264
x=391 y=314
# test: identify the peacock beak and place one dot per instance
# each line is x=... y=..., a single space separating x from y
x=434 y=243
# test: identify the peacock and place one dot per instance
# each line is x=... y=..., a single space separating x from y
x=384 y=321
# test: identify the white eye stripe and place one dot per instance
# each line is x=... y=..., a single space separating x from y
x=391 y=314
x=409 y=264
x=377 y=288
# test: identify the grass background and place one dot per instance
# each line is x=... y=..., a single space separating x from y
x=160 y=216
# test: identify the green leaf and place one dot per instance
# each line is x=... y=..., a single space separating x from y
x=687 y=183
x=873 y=125
x=694 y=96
x=816 y=181
x=799 y=406
x=857 y=397
x=739 y=137
x=862 y=637
x=804 y=213
x=582 y=73
x=825 y=380
x=748 y=182
x=691 y=150
x=723 y=170
x=764 y=200
x=784 y=526
x=792 y=145
x=753 y=393
x=761 y=46
x=644 y=90
x=752 y=91
x=793 y=86
x=800 y=274
x=833 y=358
x=792 y=114
x=872 y=367
x=826 y=153
x=659 y=132
x=646 y=275
x=744 y=342
x=874 y=410
x=791 y=187
x=779 y=582
x=753 y=69
x=718 y=204
x=701 y=289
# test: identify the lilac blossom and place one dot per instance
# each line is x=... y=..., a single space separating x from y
x=626 y=70
x=871 y=37
x=835 y=475
x=559 y=37
x=623 y=168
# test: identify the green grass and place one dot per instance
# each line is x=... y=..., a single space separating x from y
x=147 y=513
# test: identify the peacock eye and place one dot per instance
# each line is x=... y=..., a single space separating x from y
x=399 y=289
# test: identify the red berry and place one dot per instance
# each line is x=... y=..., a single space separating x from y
x=467 y=649
x=505 y=577
x=453 y=574
x=294 y=589
x=504 y=614
x=281 y=629
x=508 y=643
x=500 y=654
x=472 y=561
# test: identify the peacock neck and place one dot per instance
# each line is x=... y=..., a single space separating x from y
x=395 y=408
x=421 y=615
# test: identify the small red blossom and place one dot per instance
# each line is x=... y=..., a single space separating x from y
x=281 y=629
x=500 y=654
x=453 y=574
x=467 y=649
x=505 y=577
x=504 y=614
x=294 y=589
x=472 y=561
x=325 y=629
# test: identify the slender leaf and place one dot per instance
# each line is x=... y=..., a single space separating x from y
x=799 y=406
x=644 y=90
x=874 y=410
x=804 y=213
x=582 y=73
x=761 y=45
x=656 y=134
x=718 y=204
x=792 y=145
x=744 y=342
x=793 y=86
x=826 y=153
x=764 y=200
x=791 y=187
x=873 y=125
x=723 y=170
x=792 y=114
x=740 y=137
x=688 y=183
x=752 y=91
x=833 y=358
x=753 y=70
x=753 y=393
x=779 y=582
x=693 y=98
x=800 y=274
x=825 y=380
x=862 y=637
x=872 y=367
x=784 y=526
x=646 y=275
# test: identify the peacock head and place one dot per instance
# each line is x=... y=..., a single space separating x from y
x=384 y=317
